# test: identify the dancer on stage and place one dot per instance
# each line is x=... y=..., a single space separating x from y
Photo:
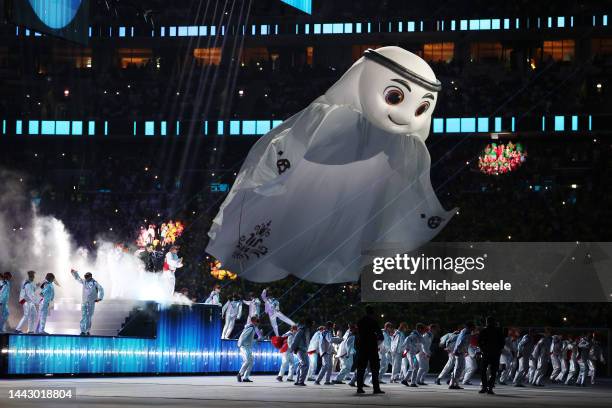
x=92 y=294
x=231 y=311
x=556 y=352
x=5 y=293
x=300 y=348
x=507 y=360
x=47 y=294
x=541 y=354
x=245 y=343
x=171 y=264
x=254 y=305
x=595 y=356
x=572 y=349
x=215 y=297
x=29 y=300
x=273 y=311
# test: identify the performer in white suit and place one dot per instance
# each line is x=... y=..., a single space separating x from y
x=397 y=352
x=231 y=311
x=254 y=305
x=245 y=344
x=288 y=364
x=215 y=296
x=425 y=353
x=272 y=306
x=346 y=354
x=92 y=294
x=29 y=300
x=171 y=264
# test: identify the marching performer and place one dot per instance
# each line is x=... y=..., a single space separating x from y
x=572 y=350
x=425 y=353
x=507 y=360
x=245 y=343
x=288 y=363
x=397 y=352
x=300 y=348
x=215 y=296
x=524 y=351
x=384 y=350
x=171 y=264
x=29 y=300
x=595 y=355
x=459 y=352
x=412 y=346
x=326 y=349
x=447 y=343
x=541 y=354
x=584 y=346
x=92 y=294
x=556 y=350
x=346 y=353
x=563 y=357
x=5 y=293
x=471 y=360
x=254 y=305
x=47 y=294
x=273 y=310
x=232 y=310
x=313 y=356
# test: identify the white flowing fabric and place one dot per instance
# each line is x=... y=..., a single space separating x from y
x=321 y=189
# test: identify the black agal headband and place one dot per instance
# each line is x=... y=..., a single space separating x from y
x=399 y=69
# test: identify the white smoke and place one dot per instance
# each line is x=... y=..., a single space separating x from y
x=30 y=241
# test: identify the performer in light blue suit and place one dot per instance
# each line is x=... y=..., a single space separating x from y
x=92 y=293
x=47 y=294
x=5 y=292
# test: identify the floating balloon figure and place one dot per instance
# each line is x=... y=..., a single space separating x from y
x=347 y=175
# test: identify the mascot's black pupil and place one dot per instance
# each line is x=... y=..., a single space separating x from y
x=394 y=97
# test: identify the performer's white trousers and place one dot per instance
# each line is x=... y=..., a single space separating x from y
x=572 y=372
x=521 y=372
x=228 y=328
x=302 y=370
x=470 y=368
x=413 y=363
x=533 y=366
x=312 y=366
x=287 y=365
x=29 y=319
x=385 y=360
x=345 y=368
x=87 y=312
x=246 y=353
x=4 y=315
x=42 y=316
x=169 y=282
x=541 y=370
x=281 y=316
x=396 y=366
x=507 y=363
x=564 y=366
x=448 y=368
x=423 y=367
x=458 y=369
x=555 y=360
x=326 y=368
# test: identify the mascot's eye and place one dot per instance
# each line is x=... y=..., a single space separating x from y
x=422 y=109
x=393 y=95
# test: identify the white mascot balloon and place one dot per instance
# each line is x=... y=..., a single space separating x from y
x=348 y=175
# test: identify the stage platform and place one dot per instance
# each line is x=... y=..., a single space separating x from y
x=184 y=340
x=265 y=391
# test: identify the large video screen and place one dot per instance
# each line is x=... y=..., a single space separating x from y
x=67 y=19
